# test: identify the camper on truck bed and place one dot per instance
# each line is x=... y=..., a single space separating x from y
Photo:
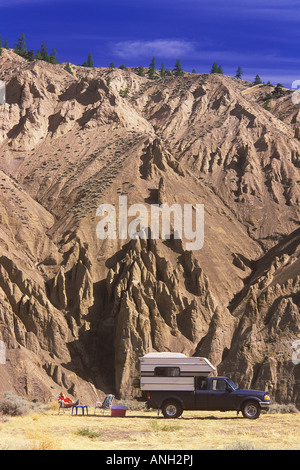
x=174 y=382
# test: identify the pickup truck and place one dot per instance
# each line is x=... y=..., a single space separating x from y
x=210 y=393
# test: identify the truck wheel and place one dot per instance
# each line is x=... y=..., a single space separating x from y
x=171 y=409
x=251 y=410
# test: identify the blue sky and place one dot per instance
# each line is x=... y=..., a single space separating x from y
x=261 y=36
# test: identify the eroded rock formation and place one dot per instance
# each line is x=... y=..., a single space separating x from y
x=76 y=312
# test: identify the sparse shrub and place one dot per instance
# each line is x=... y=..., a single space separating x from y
x=141 y=71
x=132 y=405
x=14 y=405
x=268 y=97
x=86 y=432
x=278 y=91
x=37 y=440
x=267 y=105
x=242 y=446
x=284 y=409
x=164 y=427
x=67 y=67
x=124 y=93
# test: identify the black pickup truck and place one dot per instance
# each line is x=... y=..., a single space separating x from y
x=211 y=393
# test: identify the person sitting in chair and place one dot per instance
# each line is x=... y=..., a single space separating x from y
x=66 y=402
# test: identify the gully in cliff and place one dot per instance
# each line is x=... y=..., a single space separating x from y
x=154 y=223
x=2 y=92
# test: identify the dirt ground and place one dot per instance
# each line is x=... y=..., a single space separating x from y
x=141 y=430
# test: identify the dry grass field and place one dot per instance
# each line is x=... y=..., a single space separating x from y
x=141 y=430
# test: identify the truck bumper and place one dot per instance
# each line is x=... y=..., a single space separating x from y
x=265 y=404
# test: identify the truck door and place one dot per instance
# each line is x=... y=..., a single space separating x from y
x=201 y=393
x=221 y=395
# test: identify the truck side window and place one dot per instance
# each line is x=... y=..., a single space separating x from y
x=167 y=371
x=201 y=383
x=219 y=384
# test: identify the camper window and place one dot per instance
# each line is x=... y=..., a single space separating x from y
x=167 y=371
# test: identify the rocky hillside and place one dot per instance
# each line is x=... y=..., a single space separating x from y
x=76 y=312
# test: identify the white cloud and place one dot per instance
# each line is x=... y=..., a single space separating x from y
x=167 y=48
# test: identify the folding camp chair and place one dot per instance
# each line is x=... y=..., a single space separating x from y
x=105 y=405
x=64 y=406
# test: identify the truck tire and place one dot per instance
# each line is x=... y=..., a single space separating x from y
x=251 y=410
x=171 y=409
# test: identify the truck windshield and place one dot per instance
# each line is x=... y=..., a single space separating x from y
x=232 y=384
